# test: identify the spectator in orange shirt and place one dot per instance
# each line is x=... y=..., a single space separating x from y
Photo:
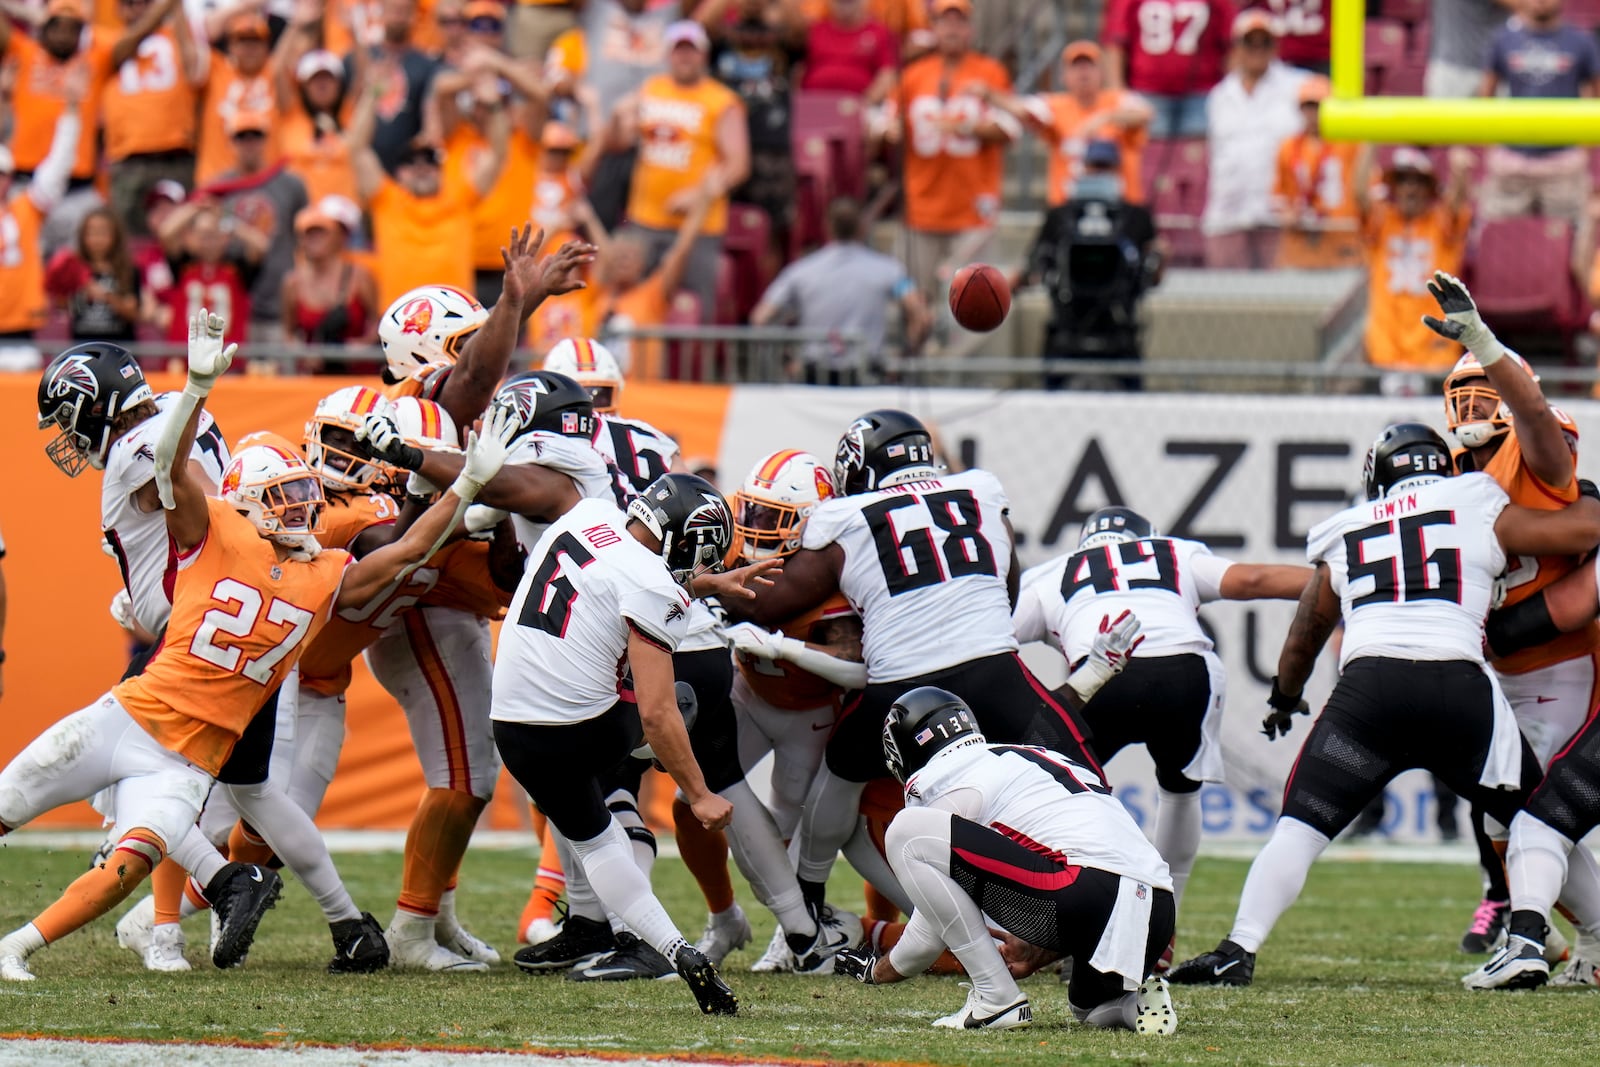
x=1314 y=193
x=1408 y=234
x=22 y=214
x=313 y=135
x=242 y=79
x=96 y=282
x=1086 y=111
x=328 y=298
x=557 y=185
x=422 y=226
x=954 y=150
x=692 y=136
x=149 y=109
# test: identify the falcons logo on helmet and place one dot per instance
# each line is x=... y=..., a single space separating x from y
x=524 y=398
x=852 y=446
x=710 y=516
x=73 y=376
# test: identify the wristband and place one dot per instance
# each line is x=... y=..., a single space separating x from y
x=466 y=489
x=1281 y=701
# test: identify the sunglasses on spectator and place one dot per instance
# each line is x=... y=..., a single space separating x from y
x=450 y=20
x=250 y=135
x=1258 y=40
x=485 y=24
x=425 y=156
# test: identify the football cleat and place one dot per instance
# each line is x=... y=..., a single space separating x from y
x=412 y=947
x=633 y=958
x=165 y=949
x=1583 y=965
x=710 y=991
x=14 y=968
x=724 y=932
x=1518 y=965
x=539 y=931
x=976 y=1014
x=240 y=895
x=134 y=928
x=777 y=959
x=1152 y=1006
x=580 y=938
x=836 y=929
x=358 y=946
x=1227 y=964
x=454 y=937
x=1487 y=926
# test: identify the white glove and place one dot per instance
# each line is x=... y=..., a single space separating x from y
x=481 y=517
x=1461 y=322
x=1112 y=647
x=417 y=485
x=752 y=640
x=122 y=610
x=208 y=358
x=486 y=451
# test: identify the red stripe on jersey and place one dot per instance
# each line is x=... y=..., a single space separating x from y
x=1048 y=881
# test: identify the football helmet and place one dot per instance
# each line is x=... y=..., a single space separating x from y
x=922 y=723
x=275 y=489
x=1402 y=452
x=883 y=448
x=772 y=505
x=545 y=400
x=331 y=447
x=425 y=424
x=424 y=330
x=691 y=519
x=1467 y=392
x=81 y=393
x=1109 y=525
x=591 y=365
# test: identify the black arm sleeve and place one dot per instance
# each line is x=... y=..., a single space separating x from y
x=1526 y=624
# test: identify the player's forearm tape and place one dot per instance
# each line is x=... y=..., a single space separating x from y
x=1523 y=625
x=1088 y=679
x=841 y=672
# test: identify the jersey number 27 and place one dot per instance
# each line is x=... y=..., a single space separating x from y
x=241 y=623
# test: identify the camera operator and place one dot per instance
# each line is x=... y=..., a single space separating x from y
x=1096 y=255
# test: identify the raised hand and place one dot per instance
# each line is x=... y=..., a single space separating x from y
x=381 y=438
x=739 y=583
x=208 y=358
x=1461 y=322
x=487 y=450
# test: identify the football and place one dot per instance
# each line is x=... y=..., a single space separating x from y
x=980 y=299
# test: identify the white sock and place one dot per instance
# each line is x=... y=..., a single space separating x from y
x=197 y=855
x=762 y=858
x=870 y=864
x=919 y=851
x=447 y=910
x=829 y=818
x=1118 y=1013
x=1177 y=836
x=298 y=843
x=24 y=941
x=609 y=865
x=581 y=898
x=1536 y=864
x=1275 y=881
x=1580 y=894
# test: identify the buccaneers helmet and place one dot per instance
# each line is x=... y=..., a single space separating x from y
x=1467 y=394
x=591 y=365
x=424 y=330
x=275 y=489
x=331 y=447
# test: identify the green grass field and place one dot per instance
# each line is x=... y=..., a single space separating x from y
x=1363 y=970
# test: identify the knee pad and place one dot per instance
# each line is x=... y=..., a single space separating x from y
x=625 y=809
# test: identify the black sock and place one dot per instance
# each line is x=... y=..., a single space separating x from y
x=799 y=943
x=1529 y=924
x=815 y=894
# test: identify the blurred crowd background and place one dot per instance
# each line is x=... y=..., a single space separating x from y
x=782 y=189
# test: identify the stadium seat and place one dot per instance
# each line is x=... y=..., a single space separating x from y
x=684 y=360
x=1581 y=13
x=1522 y=275
x=1385 y=51
x=1176 y=178
x=746 y=245
x=837 y=119
x=814 y=187
x=1405 y=79
x=1421 y=37
x=727 y=309
x=1410 y=12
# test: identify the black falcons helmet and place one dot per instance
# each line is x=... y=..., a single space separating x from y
x=545 y=400
x=920 y=724
x=876 y=446
x=81 y=393
x=1405 y=450
x=1115 y=523
x=692 y=520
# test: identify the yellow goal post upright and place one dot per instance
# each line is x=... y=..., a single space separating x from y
x=1349 y=115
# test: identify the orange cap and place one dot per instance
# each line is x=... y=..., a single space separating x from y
x=1251 y=21
x=485 y=9
x=558 y=136
x=247 y=121
x=66 y=9
x=942 y=6
x=1315 y=89
x=1081 y=50
x=247 y=25
x=309 y=218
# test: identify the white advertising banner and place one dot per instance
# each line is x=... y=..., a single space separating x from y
x=1247 y=475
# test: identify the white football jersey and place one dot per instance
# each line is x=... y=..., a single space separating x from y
x=138 y=539
x=563 y=654
x=1415 y=571
x=572 y=456
x=925 y=567
x=1162 y=580
x=640 y=452
x=1039 y=797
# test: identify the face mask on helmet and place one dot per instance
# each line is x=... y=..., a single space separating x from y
x=296 y=502
x=81 y=393
x=331 y=447
x=771 y=507
x=691 y=520
x=1474 y=411
x=591 y=365
x=276 y=491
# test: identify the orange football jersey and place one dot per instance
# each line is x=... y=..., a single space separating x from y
x=1401 y=256
x=241 y=619
x=229 y=93
x=783 y=685
x=1527 y=575
x=38 y=97
x=952 y=179
x=677 y=143
x=1072 y=126
x=348 y=515
x=149 y=104
x=422 y=240
x=21 y=266
x=508 y=203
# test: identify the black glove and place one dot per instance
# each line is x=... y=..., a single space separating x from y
x=857 y=963
x=1588 y=488
x=381 y=439
x=1284 y=708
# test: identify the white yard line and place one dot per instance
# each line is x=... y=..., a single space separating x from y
x=55 y=1052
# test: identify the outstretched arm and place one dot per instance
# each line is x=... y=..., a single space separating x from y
x=182 y=494
x=1264 y=581
x=1572 y=531
x=809 y=577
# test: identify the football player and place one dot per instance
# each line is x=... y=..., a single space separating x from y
x=928 y=562
x=606 y=595
x=1509 y=431
x=1170 y=697
x=160 y=737
x=640 y=452
x=1411 y=572
x=985 y=840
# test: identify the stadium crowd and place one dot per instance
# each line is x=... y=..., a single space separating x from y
x=300 y=164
